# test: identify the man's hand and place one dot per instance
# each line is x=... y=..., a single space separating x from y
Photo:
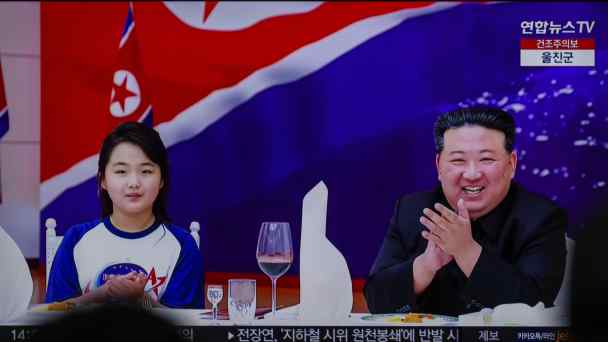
x=427 y=264
x=452 y=233
x=434 y=258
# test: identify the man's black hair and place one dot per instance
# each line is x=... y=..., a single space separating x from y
x=487 y=117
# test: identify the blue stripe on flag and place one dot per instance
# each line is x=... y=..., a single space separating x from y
x=128 y=22
x=3 y=123
x=148 y=118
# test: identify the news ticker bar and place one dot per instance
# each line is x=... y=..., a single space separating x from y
x=340 y=333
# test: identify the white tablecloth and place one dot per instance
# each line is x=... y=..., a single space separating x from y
x=196 y=317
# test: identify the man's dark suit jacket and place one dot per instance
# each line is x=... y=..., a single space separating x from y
x=522 y=259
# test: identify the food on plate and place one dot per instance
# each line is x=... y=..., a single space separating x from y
x=409 y=318
x=61 y=306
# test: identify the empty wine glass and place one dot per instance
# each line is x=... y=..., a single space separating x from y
x=215 y=294
x=274 y=253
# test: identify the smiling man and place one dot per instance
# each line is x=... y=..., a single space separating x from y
x=477 y=240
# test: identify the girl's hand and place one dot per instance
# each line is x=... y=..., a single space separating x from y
x=129 y=287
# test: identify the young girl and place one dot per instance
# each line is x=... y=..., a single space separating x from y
x=132 y=253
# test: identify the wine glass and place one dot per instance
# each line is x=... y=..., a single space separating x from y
x=215 y=294
x=274 y=253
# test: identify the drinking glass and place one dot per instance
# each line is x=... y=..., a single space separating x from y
x=274 y=253
x=241 y=299
x=215 y=294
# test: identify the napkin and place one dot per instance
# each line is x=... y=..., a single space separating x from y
x=484 y=316
x=525 y=314
x=16 y=285
x=519 y=314
x=325 y=283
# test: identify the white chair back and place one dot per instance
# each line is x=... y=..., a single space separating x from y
x=52 y=243
x=195 y=227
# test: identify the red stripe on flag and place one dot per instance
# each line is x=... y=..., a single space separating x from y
x=215 y=59
x=180 y=65
x=4 y=124
x=78 y=58
x=127 y=104
x=2 y=95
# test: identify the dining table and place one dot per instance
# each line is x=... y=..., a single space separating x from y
x=198 y=325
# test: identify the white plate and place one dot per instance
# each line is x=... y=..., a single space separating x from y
x=398 y=318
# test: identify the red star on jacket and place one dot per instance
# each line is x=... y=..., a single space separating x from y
x=155 y=281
